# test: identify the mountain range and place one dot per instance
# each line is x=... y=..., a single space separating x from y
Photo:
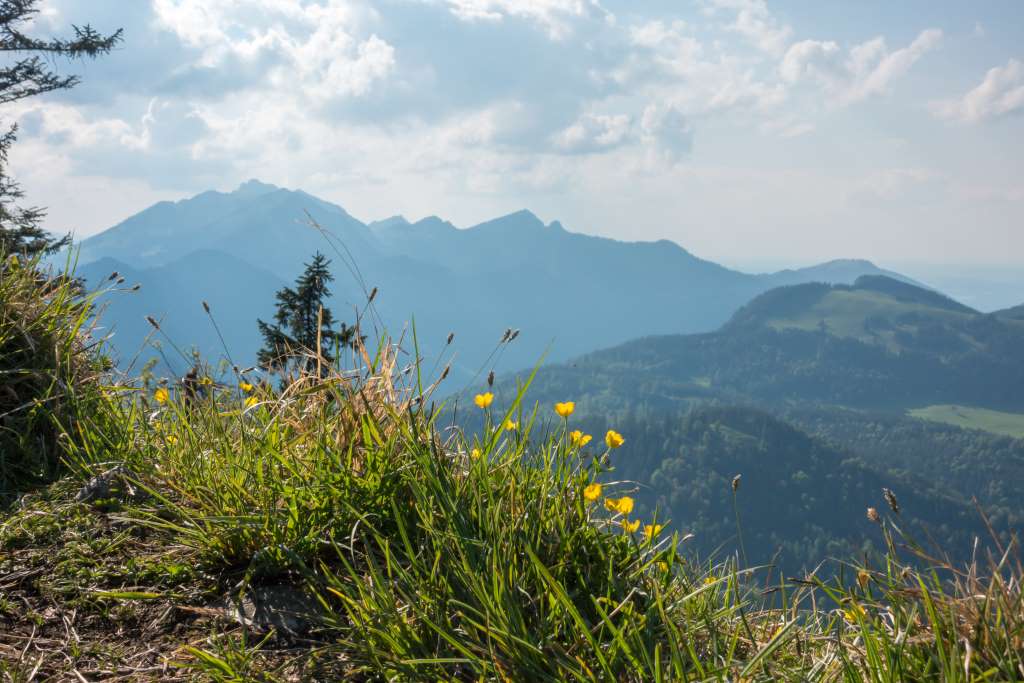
x=567 y=292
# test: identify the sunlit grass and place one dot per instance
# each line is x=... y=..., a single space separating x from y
x=511 y=553
x=968 y=417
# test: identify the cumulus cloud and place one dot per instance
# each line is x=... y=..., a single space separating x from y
x=867 y=69
x=556 y=16
x=697 y=80
x=594 y=133
x=999 y=94
x=313 y=49
x=667 y=131
x=756 y=23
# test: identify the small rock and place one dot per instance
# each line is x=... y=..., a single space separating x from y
x=286 y=609
x=116 y=483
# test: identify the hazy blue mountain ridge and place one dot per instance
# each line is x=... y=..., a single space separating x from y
x=569 y=293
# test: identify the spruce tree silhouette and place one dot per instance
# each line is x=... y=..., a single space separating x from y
x=303 y=325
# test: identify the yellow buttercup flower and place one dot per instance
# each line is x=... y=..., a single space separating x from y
x=579 y=439
x=245 y=386
x=613 y=439
x=206 y=381
x=622 y=505
x=625 y=505
x=592 y=492
x=565 y=409
x=172 y=439
x=854 y=613
x=251 y=401
x=475 y=453
x=663 y=566
x=483 y=401
x=161 y=395
x=708 y=580
x=510 y=425
x=629 y=526
x=652 y=530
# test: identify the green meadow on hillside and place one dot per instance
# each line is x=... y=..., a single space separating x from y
x=968 y=417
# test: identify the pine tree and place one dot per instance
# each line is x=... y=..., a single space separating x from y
x=28 y=76
x=302 y=322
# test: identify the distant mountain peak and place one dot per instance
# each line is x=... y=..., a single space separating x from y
x=433 y=222
x=255 y=188
x=854 y=262
x=397 y=220
x=524 y=218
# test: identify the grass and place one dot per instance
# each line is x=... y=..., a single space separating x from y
x=430 y=554
x=968 y=417
x=48 y=375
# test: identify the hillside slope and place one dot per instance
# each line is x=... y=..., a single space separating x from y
x=876 y=344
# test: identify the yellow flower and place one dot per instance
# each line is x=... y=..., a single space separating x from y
x=854 y=613
x=251 y=401
x=172 y=439
x=663 y=566
x=245 y=386
x=625 y=505
x=579 y=439
x=161 y=395
x=483 y=401
x=510 y=425
x=708 y=580
x=622 y=505
x=206 y=381
x=14 y=261
x=652 y=530
x=565 y=409
x=475 y=453
x=863 y=578
x=592 y=492
x=629 y=526
x=613 y=439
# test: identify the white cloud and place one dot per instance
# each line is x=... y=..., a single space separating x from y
x=555 y=16
x=694 y=79
x=594 y=133
x=756 y=23
x=316 y=48
x=1000 y=93
x=667 y=131
x=867 y=69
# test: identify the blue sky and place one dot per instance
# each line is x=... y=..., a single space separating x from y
x=752 y=133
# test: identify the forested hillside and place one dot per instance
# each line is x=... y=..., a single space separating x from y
x=806 y=393
x=799 y=499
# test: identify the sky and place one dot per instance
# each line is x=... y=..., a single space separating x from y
x=753 y=133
